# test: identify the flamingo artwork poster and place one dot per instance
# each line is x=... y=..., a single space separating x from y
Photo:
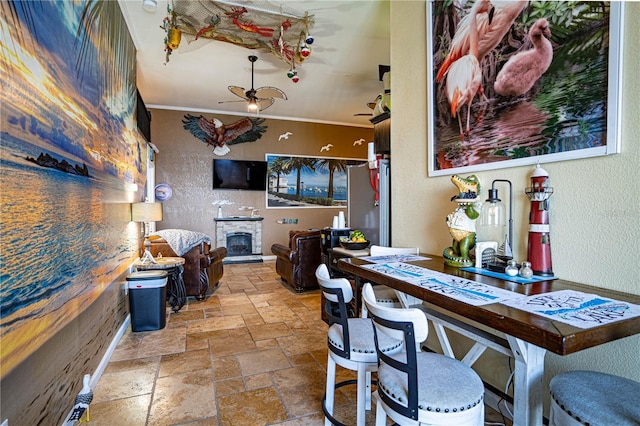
x=513 y=83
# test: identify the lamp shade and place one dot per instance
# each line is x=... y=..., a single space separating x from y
x=492 y=223
x=493 y=213
x=146 y=212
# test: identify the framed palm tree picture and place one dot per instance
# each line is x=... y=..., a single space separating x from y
x=516 y=82
x=307 y=182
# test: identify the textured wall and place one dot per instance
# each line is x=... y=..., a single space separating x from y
x=185 y=163
x=595 y=212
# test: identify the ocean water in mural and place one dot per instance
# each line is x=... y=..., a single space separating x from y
x=67 y=227
x=71 y=161
x=319 y=191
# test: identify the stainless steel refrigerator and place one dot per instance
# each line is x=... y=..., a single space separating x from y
x=364 y=213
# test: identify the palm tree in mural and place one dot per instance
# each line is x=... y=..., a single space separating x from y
x=277 y=168
x=12 y=9
x=102 y=26
x=332 y=165
x=299 y=164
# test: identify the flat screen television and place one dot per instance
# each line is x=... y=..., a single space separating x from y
x=143 y=117
x=240 y=174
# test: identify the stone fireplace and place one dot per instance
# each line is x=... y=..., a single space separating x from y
x=242 y=236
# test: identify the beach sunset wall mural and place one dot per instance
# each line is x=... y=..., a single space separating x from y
x=71 y=161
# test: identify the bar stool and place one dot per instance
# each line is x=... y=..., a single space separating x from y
x=386 y=295
x=415 y=387
x=351 y=345
x=581 y=398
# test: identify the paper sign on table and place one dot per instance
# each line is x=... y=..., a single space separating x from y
x=576 y=308
x=461 y=289
x=394 y=258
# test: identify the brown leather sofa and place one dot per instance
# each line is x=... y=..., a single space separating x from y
x=296 y=263
x=203 y=267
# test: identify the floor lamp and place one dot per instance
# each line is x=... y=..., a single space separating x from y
x=145 y=213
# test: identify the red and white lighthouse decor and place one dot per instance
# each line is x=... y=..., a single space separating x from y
x=539 y=246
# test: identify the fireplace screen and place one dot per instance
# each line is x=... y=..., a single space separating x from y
x=239 y=244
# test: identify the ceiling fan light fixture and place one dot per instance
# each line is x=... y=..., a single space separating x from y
x=257 y=99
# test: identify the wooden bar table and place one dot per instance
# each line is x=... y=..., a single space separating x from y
x=529 y=335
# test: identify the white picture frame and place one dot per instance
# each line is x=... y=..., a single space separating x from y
x=564 y=137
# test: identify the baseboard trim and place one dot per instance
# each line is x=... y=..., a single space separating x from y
x=95 y=377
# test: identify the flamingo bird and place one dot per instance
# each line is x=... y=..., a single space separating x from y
x=490 y=31
x=523 y=69
x=465 y=76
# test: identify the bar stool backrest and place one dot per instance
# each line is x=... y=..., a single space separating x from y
x=337 y=292
x=410 y=326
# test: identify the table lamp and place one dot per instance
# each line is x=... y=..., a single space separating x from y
x=494 y=217
x=145 y=213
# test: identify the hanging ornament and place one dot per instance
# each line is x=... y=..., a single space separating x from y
x=175 y=36
x=295 y=77
x=309 y=39
x=305 y=51
x=291 y=73
x=281 y=41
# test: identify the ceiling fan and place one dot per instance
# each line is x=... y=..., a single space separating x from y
x=371 y=105
x=257 y=99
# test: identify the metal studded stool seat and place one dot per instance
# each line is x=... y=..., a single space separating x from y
x=351 y=346
x=591 y=398
x=420 y=388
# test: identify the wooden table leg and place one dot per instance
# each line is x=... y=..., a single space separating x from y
x=358 y=296
x=528 y=382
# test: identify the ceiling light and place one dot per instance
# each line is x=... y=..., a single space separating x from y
x=150 y=5
x=253 y=106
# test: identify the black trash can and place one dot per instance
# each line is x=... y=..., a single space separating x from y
x=148 y=300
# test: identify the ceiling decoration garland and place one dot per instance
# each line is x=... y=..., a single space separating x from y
x=254 y=24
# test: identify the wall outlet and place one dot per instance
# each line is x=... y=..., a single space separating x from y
x=287 y=221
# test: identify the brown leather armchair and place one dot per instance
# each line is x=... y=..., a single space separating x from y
x=202 y=266
x=297 y=263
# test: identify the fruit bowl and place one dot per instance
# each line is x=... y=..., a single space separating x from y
x=354 y=245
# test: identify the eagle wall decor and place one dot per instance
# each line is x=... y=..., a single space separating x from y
x=214 y=132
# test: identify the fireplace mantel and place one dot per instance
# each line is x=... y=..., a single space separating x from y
x=233 y=225
x=237 y=219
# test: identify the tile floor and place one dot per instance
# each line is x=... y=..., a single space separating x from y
x=252 y=353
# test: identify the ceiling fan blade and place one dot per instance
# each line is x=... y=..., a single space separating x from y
x=362 y=114
x=265 y=103
x=238 y=91
x=270 y=92
x=227 y=102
